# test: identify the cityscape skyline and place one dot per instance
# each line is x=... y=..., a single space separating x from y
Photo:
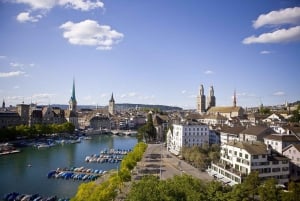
x=149 y=52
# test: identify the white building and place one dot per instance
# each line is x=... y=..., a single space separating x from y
x=187 y=134
x=238 y=159
x=293 y=153
x=279 y=141
x=228 y=134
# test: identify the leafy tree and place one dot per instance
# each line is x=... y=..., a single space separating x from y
x=251 y=184
x=268 y=191
x=146 y=189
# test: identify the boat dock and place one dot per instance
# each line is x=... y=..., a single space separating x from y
x=76 y=173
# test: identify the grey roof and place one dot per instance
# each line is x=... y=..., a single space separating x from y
x=232 y=130
x=257 y=130
x=283 y=138
x=253 y=148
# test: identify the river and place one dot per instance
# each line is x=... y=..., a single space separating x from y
x=26 y=172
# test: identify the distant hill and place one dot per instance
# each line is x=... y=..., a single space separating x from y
x=126 y=106
x=123 y=106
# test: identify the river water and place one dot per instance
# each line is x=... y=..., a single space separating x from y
x=26 y=172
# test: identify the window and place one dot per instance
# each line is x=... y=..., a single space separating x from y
x=275 y=162
x=235 y=153
x=285 y=162
x=255 y=156
x=285 y=169
x=246 y=156
x=275 y=169
x=240 y=154
x=263 y=156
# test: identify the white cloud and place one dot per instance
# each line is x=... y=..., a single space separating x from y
x=279 y=36
x=16 y=65
x=183 y=91
x=90 y=33
x=208 y=72
x=3 y=57
x=84 y=5
x=279 y=93
x=16 y=87
x=11 y=74
x=27 y=17
x=265 y=52
x=283 y=16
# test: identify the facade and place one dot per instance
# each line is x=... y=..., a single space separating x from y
x=227 y=112
x=99 y=122
x=228 y=134
x=239 y=159
x=111 y=105
x=23 y=111
x=187 y=134
x=293 y=153
x=201 y=100
x=8 y=119
x=211 y=99
x=213 y=119
x=71 y=114
x=278 y=141
x=255 y=133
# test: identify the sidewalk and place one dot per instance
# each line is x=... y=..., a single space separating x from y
x=158 y=161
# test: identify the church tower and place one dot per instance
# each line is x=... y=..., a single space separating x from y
x=234 y=99
x=201 y=100
x=111 y=105
x=3 y=104
x=72 y=101
x=211 y=99
x=71 y=114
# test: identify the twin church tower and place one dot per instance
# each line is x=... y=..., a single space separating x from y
x=204 y=104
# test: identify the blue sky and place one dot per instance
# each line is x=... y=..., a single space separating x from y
x=152 y=52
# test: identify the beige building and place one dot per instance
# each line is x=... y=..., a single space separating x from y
x=239 y=159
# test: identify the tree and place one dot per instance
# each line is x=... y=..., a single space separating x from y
x=268 y=191
x=251 y=184
x=147 y=131
x=146 y=189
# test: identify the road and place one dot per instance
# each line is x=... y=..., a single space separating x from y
x=158 y=161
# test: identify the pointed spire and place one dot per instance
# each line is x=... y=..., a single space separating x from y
x=234 y=99
x=3 y=104
x=211 y=91
x=201 y=92
x=73 y=91
x=112 y=98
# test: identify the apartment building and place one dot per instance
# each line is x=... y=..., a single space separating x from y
x=187 y=134
x=238 y=159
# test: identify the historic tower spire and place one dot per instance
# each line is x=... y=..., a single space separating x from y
x=211 y=99
x=201 y=100
x=234 y=99
x=111 y=105
x=73 y=102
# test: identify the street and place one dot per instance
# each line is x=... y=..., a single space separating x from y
x=158 y=161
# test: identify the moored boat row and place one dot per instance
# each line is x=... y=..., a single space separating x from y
x=81 y=173
x=14 y=196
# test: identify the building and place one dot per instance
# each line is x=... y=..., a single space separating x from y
x=201 y=100
x=71 y=113
x=100 y=122
x=23 y=111
x=279 y=141
x=293 y=153
x=211 y=99
x=255 y=133
x=187 y=134
x=8 y=118
x=239 y=159
x=228 y=134
x=111 y=105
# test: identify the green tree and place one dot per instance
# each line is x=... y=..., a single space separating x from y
x=268 y=191
x=146 y=189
